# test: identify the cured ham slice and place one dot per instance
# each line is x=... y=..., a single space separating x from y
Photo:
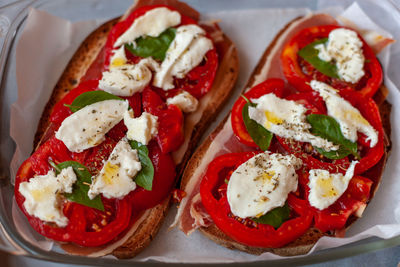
x=198 y=212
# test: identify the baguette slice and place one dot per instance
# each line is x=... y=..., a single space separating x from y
x=88 y=55
x=191 y=213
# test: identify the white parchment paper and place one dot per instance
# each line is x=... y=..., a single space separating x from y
x=251 y=30
x=43 y=51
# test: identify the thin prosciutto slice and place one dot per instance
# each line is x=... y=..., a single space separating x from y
x=199 y=213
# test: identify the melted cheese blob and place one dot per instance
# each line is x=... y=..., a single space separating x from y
x=126 y=80
x=115 y=179
x=118 y=58
x=185 y=52
x=141 y=129
x=184 y=101
x=43 y=195
x=262 y=183
x=287 y=119
x=345 y=48
x=87 y=127
x=348 y=117
x=326 y=188
x=152 y=23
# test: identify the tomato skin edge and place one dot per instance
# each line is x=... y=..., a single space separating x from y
x=297 y=78
x=275 y=86
x=264 y=235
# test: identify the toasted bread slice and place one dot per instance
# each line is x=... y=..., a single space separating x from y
x=304 y=243
x=88 y=53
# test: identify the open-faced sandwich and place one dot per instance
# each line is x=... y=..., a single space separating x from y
x=303 y=149
x=119 y=126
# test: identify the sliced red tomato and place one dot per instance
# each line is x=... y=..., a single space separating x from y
x=163 y=181
x=61 y=111
x=92 y=228
x=275 y=86
x=94 y=157
x=122 y=26
x=314 y=160
x=141 y=199
x=353 y=199
x=119 y=130
x=197 y=82
x=170 y=134
x=370 y=111
x=86 y=226
x=200 y=79
x=246 y=231
x=299 y=72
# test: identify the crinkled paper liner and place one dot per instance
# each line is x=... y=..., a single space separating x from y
x=251 y=31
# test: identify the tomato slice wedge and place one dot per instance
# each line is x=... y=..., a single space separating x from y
x=99 y=227
x=245 y=231
x=163 y=181
x=299 y=73
x=354 y=198
x=200 y=79
x=170 y=121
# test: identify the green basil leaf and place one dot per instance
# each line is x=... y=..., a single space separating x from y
x=328 y=128
x=89 y=98
x=81 y=186
x=310 y=54
x=261 y=136
x=275 y=217
x=155 y=47
x=145 y=177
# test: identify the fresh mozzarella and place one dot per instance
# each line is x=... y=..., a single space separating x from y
x=262 y=183
x=287 y=119
x=348 y=117
x=326 y=188
x=115 y=179
x=152 y=23
x=66 y=178
x=185 y=52
x=127 y=80
x=87 y=127
x=185 y=101
x=323 y=54
x=141 y=129
x=118 y=58
x=43 y=197
x=345 y=48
